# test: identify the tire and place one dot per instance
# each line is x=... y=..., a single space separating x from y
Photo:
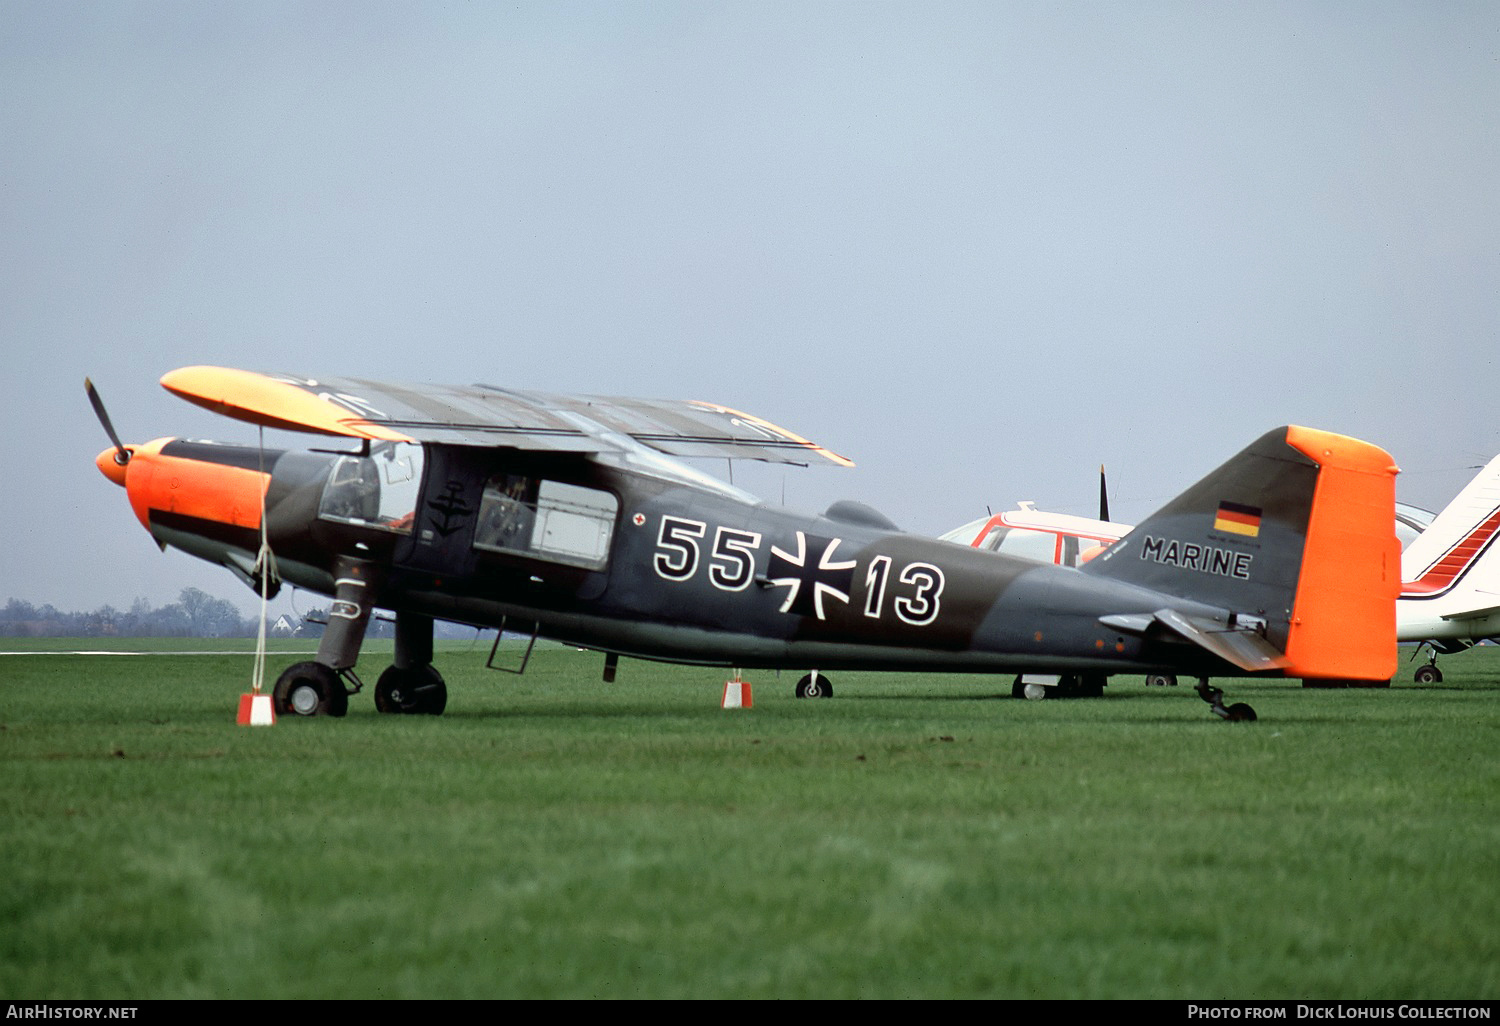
x=309 y=689
x=1428 y=674
x=818 y=686
x=411 y=689
x=1161 y=680
x=1081 y=685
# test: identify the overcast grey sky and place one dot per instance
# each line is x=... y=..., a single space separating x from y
x=978 y=248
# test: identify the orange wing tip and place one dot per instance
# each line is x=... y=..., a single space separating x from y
x=263 y=400
x=776 y=430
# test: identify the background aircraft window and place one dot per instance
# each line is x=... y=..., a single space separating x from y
x=1017 y=541
x=546 y=519
x=964 y=535
x=379 y=490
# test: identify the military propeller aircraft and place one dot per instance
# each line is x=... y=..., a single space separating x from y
x=575 y=518
x=1450 y=562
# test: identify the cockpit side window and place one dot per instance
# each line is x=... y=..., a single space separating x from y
x=378 y=490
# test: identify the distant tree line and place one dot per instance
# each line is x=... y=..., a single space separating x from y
x=195 y=614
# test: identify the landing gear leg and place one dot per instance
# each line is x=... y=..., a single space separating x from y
x=1239 y=712
x=411 y=684
x=321 y=687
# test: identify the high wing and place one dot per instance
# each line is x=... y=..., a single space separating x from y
x=483 y=415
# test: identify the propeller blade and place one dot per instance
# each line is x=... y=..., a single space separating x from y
x=122 y=454
x=1103 y=496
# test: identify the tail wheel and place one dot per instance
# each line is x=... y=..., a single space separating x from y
x=411 y=689
x=309 y=689
x=814 y=685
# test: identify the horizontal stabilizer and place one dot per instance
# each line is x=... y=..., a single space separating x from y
x=1245 y=647
x=1472 y=614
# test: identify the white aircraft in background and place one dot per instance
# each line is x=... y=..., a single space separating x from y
x=1450 y=562
x=1450 y=575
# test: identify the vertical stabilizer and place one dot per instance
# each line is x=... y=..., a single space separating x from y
x=1446 y=556
x=1295 y=534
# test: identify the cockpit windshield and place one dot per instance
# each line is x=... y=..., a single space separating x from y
x=378 y=490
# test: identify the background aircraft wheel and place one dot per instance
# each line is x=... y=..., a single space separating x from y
x=411 y=689
x=1035 y=692
x=1081 y=685
x=814 y=687
x=1428 y=674
x=309 y=689
x=1239 y=712
x=1160 y=680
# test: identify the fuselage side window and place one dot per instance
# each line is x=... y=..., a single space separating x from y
x=564 y=523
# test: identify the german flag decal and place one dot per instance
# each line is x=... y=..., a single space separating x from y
x=1238 y=519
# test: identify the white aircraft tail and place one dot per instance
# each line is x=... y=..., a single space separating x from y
x=1457 y=558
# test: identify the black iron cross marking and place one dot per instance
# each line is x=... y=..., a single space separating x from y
x=810 y=583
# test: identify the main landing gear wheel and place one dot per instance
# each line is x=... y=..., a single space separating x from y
x=411 y=689
x=814 y=685
x=310 y=689
x=1428 y=674
x=1033 y=692
x=1159 y=680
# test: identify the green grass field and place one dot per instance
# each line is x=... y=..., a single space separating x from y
x=555 y=836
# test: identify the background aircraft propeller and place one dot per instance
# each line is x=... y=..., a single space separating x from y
x=122 y=454
x=1103 y=496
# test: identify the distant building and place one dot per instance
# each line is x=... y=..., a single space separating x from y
x=284 y=627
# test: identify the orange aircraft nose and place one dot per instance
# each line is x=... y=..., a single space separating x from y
x=110 y=466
